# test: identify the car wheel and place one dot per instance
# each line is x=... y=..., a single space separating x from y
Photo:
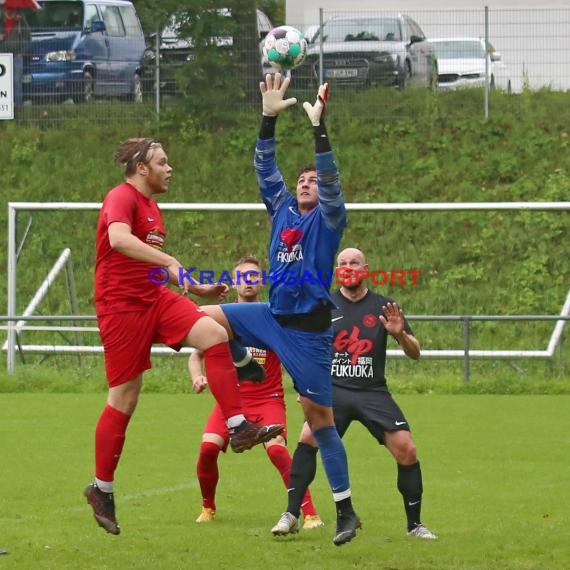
x=137 y=93
x=405 y=75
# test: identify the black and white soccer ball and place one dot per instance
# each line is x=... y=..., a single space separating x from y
x=285 y=47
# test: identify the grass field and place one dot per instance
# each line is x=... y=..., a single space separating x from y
x=495 y=489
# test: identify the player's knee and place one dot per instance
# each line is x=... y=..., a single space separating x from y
x=408 y=453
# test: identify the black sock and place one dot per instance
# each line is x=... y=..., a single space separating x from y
x=344 y=507
x=303 y=471
x=411 y=488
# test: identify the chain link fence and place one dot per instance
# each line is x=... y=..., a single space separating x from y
x=135 y=73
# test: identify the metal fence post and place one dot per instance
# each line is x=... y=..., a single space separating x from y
x=321 y=46
x=466 y=333
x=157 y=71
x=487 y=56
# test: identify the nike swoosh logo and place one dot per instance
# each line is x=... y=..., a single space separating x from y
x=312 y=393
x=411 y=504
x=400 y=423
x=150 y=219
x=336 y=319
x=293 y=211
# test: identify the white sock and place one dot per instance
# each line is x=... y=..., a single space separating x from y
x=105 y=486
x=235 y=421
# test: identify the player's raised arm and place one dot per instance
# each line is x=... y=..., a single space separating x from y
x=329 y=191
x=271 y=183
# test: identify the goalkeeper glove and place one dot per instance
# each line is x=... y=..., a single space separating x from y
x=272 y=92
x=316 y=112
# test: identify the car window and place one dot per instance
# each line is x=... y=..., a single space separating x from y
x=56 y=15
x=263 y=22
x=416 y=30
x=378 y=29
x=113 y=21
x=409 y=30
x=460 y=49
x=91 y=15
x=131 y=22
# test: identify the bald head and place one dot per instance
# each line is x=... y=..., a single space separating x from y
x=348 y=255
x=351 y=265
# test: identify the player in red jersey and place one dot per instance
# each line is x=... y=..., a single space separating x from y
x=134 y=311
x=263 y=402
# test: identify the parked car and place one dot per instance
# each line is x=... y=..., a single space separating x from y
x=462 y=63
x=379 y=50
x=84 y=48
x=176 y=49
x=310 y=32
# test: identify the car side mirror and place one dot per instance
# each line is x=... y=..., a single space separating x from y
x=97 y=26
x=495 y=56
x=416 y=39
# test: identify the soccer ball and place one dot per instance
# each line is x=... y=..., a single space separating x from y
x=285 y=47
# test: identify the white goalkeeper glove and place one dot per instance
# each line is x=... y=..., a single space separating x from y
x=317 y=111
x=273 y=91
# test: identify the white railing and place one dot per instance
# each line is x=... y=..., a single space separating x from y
x=17 y=323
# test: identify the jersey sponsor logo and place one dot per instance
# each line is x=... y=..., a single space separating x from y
x=290 y=237
x=352 y=371
x=288 y=256
x=155 y=239
x=352 y=343
x=369 y=320
x=259 y=354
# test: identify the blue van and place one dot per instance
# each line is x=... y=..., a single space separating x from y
x=84 y=48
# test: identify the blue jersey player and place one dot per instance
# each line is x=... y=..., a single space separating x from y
x=296 y=323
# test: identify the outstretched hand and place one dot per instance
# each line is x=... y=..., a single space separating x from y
x=316 y=112
x=392 y=319
x=272 y=91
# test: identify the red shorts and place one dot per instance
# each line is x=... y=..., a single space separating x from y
x=128 y=336
x=267 y=411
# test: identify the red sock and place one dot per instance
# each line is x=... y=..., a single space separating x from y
x=281 y=458
x=208 y=474
x=109 y=440
x=222 y=379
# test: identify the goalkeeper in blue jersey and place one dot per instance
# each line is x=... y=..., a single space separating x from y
x=296 y=323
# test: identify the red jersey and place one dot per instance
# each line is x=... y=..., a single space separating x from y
x=272 y=386
x=121 y=283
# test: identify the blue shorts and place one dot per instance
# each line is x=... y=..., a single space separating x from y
x=305 y=355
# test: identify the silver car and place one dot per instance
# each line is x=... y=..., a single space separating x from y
x=462 y=63
x=379 y=50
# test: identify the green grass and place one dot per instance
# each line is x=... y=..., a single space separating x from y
x=495 y=479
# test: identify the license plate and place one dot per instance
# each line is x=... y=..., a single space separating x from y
x=341 y=73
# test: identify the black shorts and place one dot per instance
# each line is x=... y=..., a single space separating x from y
x=375 y=410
